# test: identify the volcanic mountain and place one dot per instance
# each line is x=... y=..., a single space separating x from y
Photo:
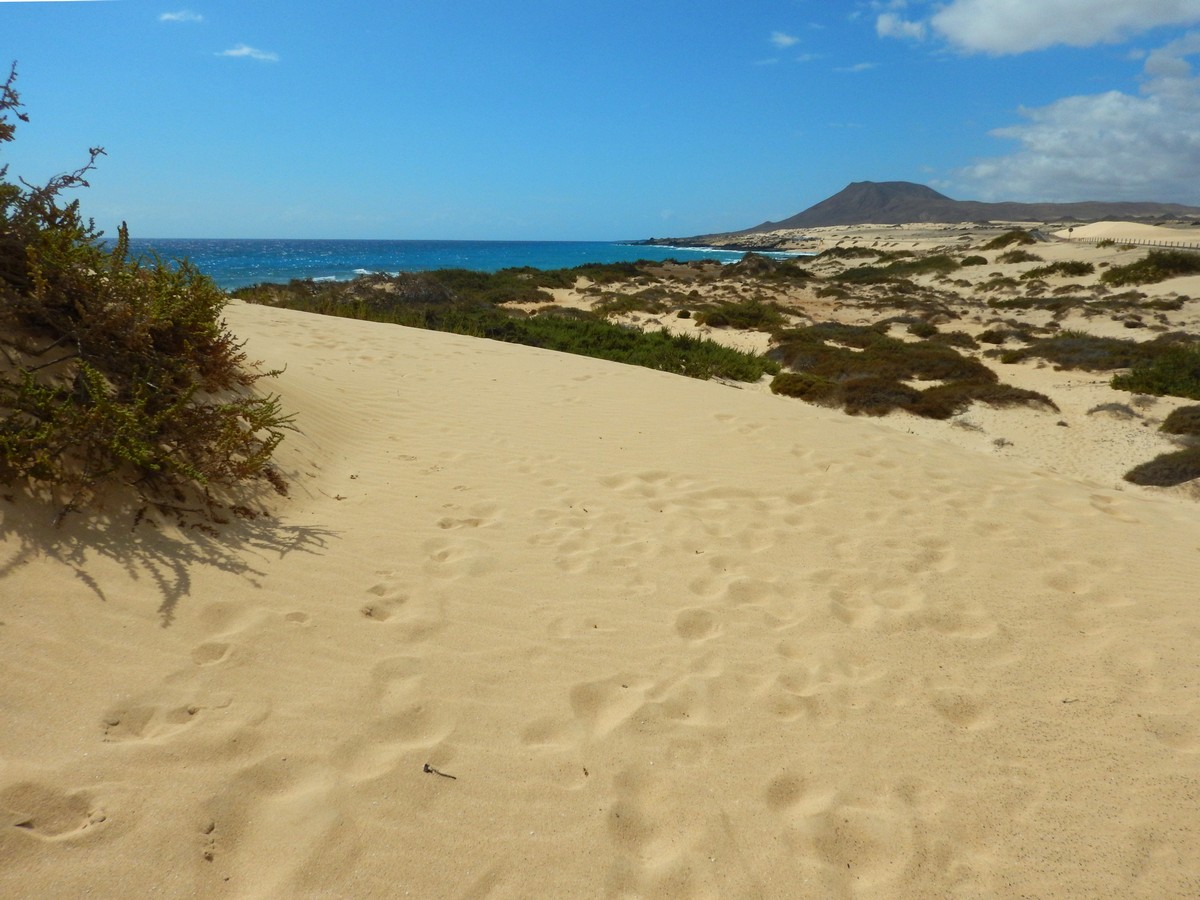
x=899 y=202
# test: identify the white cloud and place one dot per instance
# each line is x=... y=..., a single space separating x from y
x=184 y=15
x=779 y=39
x=1017 y=26
x=247 y=52
x=857 y=67
x=1109 y=146
x=891 y=25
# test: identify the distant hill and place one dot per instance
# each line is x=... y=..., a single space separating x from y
x=898 y=202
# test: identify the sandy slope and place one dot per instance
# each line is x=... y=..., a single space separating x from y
x=672 y=639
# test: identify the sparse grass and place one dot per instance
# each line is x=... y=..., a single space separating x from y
x=1116 y=410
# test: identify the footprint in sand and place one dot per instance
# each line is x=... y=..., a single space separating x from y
x=383 y=609
x=45 y=812
x=211 y=652
x=151 y=722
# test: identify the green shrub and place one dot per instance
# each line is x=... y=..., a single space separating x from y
x=1106 y=242
x=1173 y=370
x=1183 y=421
x=846 y=253
x=118 y=370
x=1016 y=237
x=1157 y=265
x=807 y=387
x=956 y=339
x=1079 y=350
x=747 y=315
x=1017 y=256
x=974 y=261
x=1071 y=268
x=998 y=283
x=900 y=269
x=865 y=372
x=1167 y=470
x=922 y=329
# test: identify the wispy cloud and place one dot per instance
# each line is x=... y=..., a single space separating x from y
x=184 y=15
x=244 y=51
x=780 y=39
x=1000 y=27
x=891 y=25
x=857 y=67
x=1109 y=146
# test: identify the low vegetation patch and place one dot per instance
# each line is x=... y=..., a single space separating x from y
x=407 y=299
x=1078 y=350
x=846 y=253
x=1155 y=266
x=1014 y=238
x=750 y=315
x=900 y=269
x=864 y=371
x=1071 y=268
x=1017 y=256
x=1183 y=421
x=1172 y=369
x=1167 y=470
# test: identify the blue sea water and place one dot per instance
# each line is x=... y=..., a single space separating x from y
x=236 y=263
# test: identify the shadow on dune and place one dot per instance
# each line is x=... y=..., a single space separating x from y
x=157 y=548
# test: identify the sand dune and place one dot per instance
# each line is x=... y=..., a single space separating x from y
x=671 y=639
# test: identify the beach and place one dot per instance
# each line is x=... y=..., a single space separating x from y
x=537 y=625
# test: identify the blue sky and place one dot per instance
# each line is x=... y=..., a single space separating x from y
x=584 y=119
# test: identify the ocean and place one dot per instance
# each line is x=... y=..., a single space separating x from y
x=238 y=263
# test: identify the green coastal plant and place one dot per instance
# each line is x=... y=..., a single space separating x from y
x=1155 y=266
x=1017 y=256
x=1167 y=470
x=1174 y=370
x=1015 y=237
x=1184 y=421
x=866 y=372
x=115 y=370
x=406 y=299
x=1070 y=267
